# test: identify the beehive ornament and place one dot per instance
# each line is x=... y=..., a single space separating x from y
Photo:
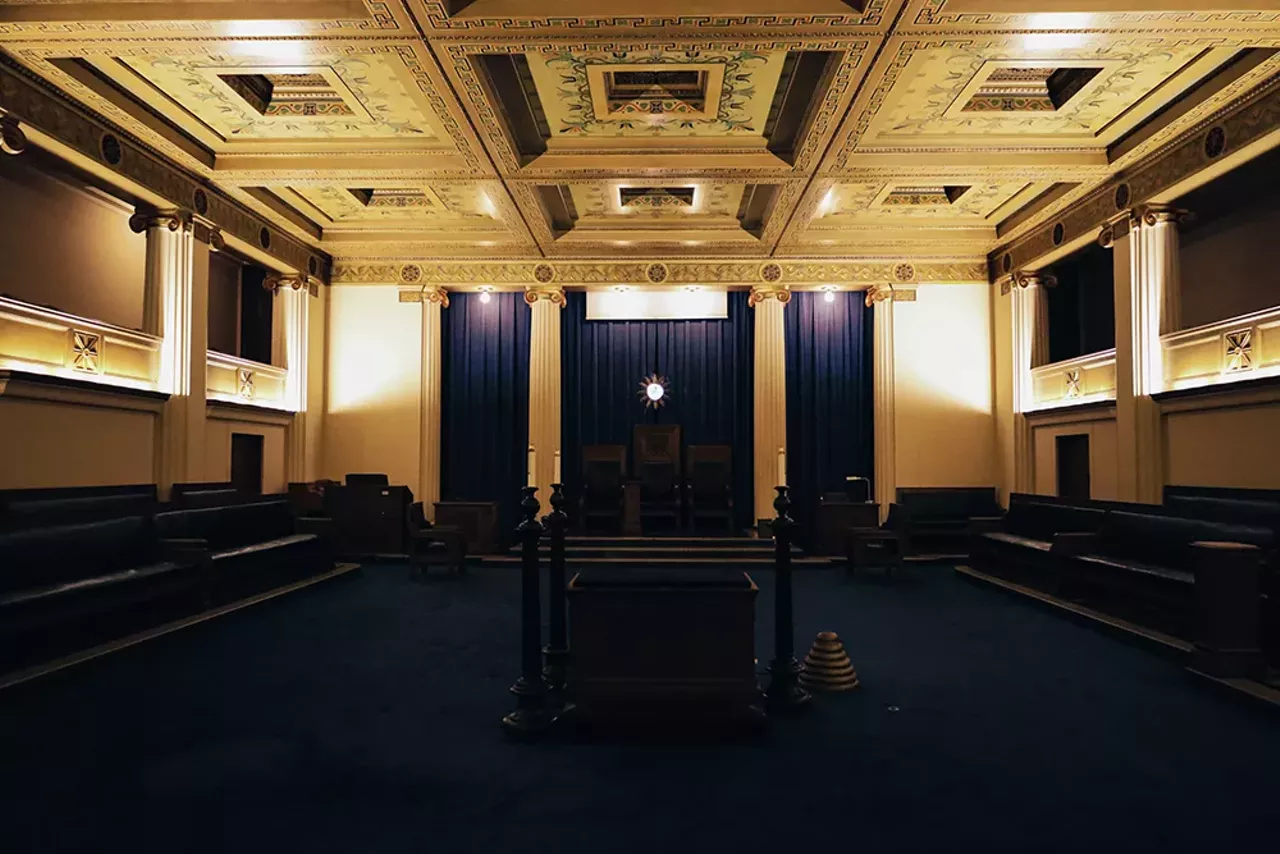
x=827 y=667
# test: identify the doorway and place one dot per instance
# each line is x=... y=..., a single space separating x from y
x=1073 y=466
x=246 y=463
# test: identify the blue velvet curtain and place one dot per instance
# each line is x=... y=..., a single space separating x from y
x=709 y=367
x=485 y=401
x=830 y=413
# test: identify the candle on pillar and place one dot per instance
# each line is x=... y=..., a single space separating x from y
x=533 y=467
x=556 y=478
x=782 y=467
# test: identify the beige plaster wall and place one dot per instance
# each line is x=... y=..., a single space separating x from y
x=217 y=436
x=56 y=444
x=1224 y=446
x=943 y=388
x=68 y=247
x=1103 y=462
x=372 y=410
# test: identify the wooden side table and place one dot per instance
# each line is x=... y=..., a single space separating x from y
x=873 y=548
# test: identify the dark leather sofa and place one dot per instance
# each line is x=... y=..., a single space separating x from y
x=251 y=545
x=89 y=574
x=38 y=508
x=1141 y=566
x=938 y=519
x=1021 y=545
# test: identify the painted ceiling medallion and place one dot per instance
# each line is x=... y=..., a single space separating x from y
x=653 y=391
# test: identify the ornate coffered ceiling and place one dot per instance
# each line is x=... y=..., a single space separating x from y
x=397 y=132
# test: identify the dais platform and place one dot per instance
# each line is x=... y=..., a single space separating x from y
x=668 y=552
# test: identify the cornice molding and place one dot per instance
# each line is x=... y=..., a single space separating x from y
x=114 y=151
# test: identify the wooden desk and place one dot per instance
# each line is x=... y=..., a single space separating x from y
x=835 y=518
x=631 y=509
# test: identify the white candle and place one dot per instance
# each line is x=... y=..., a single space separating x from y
x=782 y=467
x=533 y=466
x=556 y=479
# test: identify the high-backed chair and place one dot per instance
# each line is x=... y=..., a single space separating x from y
x=656 y=448
x=710 y=484
x=604 y=467
x=434 y=544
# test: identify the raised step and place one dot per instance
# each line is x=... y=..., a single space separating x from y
x=753 y=563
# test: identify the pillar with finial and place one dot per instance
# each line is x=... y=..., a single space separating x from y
x=531 y=715
x=784 y=691
x=556 y=651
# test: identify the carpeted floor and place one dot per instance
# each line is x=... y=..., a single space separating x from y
x=362 y=716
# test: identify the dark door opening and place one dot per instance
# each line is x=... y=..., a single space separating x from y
x=246 y=463
x=1073 y=466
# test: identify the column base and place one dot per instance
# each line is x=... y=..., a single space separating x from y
x=785 y=691
x=532 y=716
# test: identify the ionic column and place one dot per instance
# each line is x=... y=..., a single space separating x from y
x=176 y=306
x=1139 y=451
x=880 y=300
x=434 y=300
x=544 y=381
x=290 y=343
x=770 y=392
x=1030 y=316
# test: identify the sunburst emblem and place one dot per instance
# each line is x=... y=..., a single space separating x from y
x=653 y=391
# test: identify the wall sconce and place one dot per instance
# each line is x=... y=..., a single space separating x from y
x=828 y=294
x=485 y=295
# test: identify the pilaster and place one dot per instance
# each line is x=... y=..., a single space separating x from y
x=434 y=300
x=1030 y=349
x=176 y=305
x=290 y=347
x=770 y=392
x=544 y=380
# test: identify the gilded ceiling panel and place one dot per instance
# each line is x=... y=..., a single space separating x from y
x=674 y=203
x=450 y=205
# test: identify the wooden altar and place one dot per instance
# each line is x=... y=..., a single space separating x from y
x=648 y=650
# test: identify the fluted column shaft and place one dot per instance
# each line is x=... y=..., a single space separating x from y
x=1147 y=302
x=1030 y=349
x=176 y=306
x=770 y=394
x=433 y=302
x=294 y=305
x=881 y=299
x=544 y=380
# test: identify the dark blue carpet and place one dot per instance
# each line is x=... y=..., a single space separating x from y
x=362 y=716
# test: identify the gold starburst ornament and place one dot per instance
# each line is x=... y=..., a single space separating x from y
x=653 y=391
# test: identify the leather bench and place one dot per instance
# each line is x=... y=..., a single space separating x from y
x=1021 y=545
x=57 y=584
x=1142 y=567
x=252 y=545
x=938 y=519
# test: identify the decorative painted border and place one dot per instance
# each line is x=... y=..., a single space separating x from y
x=731 y=273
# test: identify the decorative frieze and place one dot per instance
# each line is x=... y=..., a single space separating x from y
x=789 y=273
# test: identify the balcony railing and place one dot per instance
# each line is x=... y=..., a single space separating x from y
x=47 y=341
x=231 y=379
x=1233 y=350
x=1074 y=382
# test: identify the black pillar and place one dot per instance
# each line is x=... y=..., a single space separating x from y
x=556 y=651
x=531 y=715
x=785 y=691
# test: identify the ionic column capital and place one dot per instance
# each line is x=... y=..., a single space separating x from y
x=1155 y=214
x=1024 y=279
x=435 y=295
x=550 y=293
x=889 y=293
x=170 y=220
x=12 y=139
x=760 y=293
x=295 y=281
